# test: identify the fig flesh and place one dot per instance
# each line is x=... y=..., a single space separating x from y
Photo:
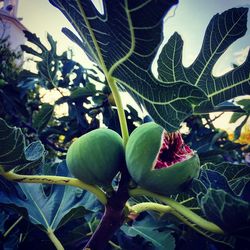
x=159 y=161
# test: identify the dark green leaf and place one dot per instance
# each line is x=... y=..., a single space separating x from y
x=98 y=100
x=49 y=64
x=127 y=52
x=236 y=116
x=237 y=131
x=229 y=212
x=215 y=180
x=83 y=92
x=207 y=107
x=31 y=37
x=13 y=150
x=52 y=43
x=48 y=210
x=222 y=31
x=237 y=174
x=74 y=213
x=3 y=218
x=245 y=103
x=34 y=151
x=212 y=145
x=12 y=146
x=147 y=230
x=42 y=117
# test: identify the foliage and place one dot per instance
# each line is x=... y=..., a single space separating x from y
x=85 y=102
x=213 y=210
x=49 y=208
x=15 y=152
x=211 y=144
x=13 y=101
x=40 y=124
x=180 y=91
x=10 y=64
x=245 y=103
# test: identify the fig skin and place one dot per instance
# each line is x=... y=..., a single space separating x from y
x=96 y=157
x=142 y=151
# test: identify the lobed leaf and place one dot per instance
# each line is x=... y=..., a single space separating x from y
x=148 y=230
x=237 y=175
x=123 y=41
x=229 y=212
x=13 y=150
x=222 y=31
x=47 y=210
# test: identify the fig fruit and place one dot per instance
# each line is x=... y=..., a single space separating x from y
x=96 y=157
x=159 y=161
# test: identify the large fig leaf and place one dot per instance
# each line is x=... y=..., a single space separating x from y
x=221 y=194
x=13 y=150
x=151 y=232
x=222 y=31
x=227 y=211
x=237 y=175
x=47 y=209
x=123 y=41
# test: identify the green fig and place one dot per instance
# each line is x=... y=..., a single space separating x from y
x=96 y=157
x=159 y=161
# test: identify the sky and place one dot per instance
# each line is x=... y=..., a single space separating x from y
x=189 y=18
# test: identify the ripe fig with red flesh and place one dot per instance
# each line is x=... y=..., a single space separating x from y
x=160 y=161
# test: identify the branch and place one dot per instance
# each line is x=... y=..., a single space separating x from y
x=113 y=217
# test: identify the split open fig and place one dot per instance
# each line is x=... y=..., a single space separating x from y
x=160 y=161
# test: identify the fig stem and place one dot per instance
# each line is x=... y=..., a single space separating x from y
x=180 y=209
x=59 y=180
x=120 y=110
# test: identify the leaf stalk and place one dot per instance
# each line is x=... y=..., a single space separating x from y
x=120 y=110
x=58 y=180
x=179 y=208
x=58 y=245
x=12 y=226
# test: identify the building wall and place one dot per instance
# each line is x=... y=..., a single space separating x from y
x=10 y=25
x=13 y=32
